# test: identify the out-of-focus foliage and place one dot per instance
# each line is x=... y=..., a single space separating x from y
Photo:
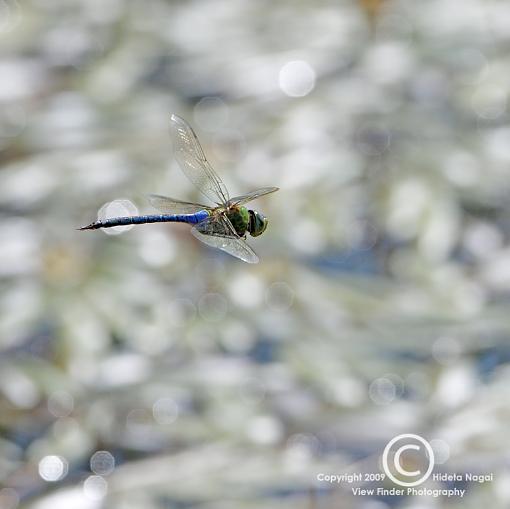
x=144 y=370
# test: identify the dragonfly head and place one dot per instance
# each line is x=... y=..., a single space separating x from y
x=258 y=223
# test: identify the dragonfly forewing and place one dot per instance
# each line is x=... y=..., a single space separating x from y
x=245 y=198
x=193 y=162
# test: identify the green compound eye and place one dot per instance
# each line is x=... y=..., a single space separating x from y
x=258 y=223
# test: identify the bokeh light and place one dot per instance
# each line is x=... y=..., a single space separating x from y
x=441 y=451
x=53 y=468
x=102 y=463
x=60 y=403
x=265 y=430
x=297 y=78
x=95 y=487
x=279 y=296
x=165 y=411
x=446 y=350
x=247 y=290
x=382 y=391
x=211 y=113
x=117 y=208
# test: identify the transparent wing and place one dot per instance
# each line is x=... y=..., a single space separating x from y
x=193 y=162
x=217 y=231
x=245 y=198
x=172 y=206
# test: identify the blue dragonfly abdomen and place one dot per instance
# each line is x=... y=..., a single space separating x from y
x=153 y=218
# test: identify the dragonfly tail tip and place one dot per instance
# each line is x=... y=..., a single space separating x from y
x=91 y=226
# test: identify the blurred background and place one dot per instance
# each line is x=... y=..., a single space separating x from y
x=141 y=368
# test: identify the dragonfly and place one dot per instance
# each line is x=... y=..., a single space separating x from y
x=223 y=226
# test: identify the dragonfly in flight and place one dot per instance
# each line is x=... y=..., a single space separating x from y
x=223 y=226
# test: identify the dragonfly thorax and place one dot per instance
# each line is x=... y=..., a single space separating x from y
x=240 y=219
x=244 y=220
